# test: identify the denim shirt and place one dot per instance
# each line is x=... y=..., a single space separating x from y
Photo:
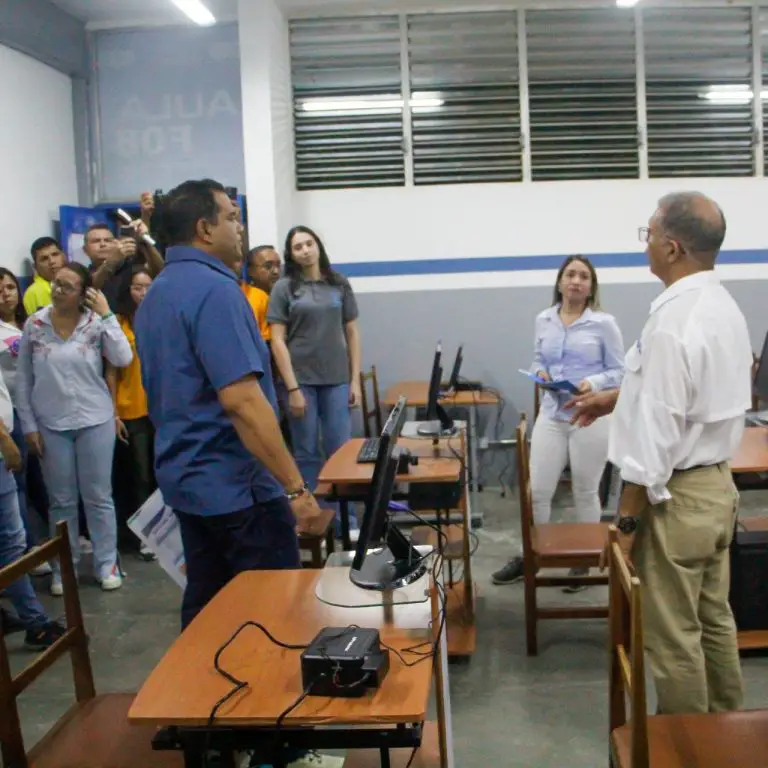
x=60 y=382
x=196 y=334
x=591 y=348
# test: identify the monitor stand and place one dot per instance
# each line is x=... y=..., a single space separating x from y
x=394 y=566
x=443 y=426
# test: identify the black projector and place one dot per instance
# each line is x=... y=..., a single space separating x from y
x=344 y=661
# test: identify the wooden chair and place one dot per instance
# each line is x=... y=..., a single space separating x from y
x=554 y=545
x=755 y=395
x=710 y=740
x=313 y=543
x=375 y=411
x=94 y=732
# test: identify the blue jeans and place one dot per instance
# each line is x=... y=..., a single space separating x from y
x=21 y=480
x=327 y=419
x=78 y=463
x=13 y=544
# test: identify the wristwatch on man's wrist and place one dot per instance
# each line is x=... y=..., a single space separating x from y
x=293 y=495
x=627 y=525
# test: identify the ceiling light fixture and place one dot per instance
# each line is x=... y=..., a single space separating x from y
x=731 y=94
x=386 y=105
x=196 y=11
x=626 y=3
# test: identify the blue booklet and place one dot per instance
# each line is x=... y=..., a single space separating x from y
x=552 y=386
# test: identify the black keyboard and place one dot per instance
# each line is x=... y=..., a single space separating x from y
x=369 y=451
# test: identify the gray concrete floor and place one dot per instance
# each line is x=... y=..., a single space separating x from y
x=508 y=709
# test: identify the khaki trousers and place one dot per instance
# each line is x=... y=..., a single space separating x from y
x=681 y=556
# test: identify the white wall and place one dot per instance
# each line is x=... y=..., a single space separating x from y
x=37 y=146
x=532 y=219
x=267 y=120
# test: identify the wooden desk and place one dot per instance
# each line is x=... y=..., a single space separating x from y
x=417 y=393
x=184 y=687
x=753 y=639
x=752 y=455
x=437 y=464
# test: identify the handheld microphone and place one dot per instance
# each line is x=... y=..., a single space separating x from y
x=128 y=220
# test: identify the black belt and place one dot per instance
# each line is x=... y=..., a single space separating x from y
x=699 y=466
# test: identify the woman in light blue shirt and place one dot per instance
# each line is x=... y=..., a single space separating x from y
x=574 y=341
x=67 y=413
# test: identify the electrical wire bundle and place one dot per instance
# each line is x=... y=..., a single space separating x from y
x=498 y=428
x=417 y=651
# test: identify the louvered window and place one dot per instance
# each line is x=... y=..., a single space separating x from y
x=465 y=102
x=348 y=105
x=698 y=66
x=582 y=94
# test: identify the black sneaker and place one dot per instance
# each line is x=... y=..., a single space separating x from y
x=510 y=573
x=572 y=589
x=11 y=622
x=44 y=637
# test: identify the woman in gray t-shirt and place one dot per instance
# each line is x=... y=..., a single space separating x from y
x=316 y=345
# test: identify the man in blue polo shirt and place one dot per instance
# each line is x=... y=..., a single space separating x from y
x=221 y=461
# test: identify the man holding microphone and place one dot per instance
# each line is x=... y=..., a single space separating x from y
x=678 y=420
x=221 y=462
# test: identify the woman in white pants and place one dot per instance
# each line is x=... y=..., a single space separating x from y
x=574 y=342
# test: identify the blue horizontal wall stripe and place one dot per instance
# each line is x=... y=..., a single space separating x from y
x=518 y=263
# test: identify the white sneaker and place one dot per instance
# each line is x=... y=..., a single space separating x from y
x=146 y=554
x=113 y=581
x=57 y=588
x=44 y=569
x=86 y=548
x=316 y=760
x=354 y=535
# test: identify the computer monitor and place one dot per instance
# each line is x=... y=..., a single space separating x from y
x=437 y=423
x=761 y=375
x=453 y=382
x=393 y=426
x=384 y=557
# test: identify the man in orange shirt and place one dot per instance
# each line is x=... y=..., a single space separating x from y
x=263 y=271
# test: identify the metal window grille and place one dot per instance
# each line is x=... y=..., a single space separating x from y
x=582 y=88
x=348 y=107
x=698 y=66
x=763 y=29
x=465 y=101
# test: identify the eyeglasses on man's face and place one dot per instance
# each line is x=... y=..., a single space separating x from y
x=644 y=234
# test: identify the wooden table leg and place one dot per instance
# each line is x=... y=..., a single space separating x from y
x=346 y=542
x=442 y=692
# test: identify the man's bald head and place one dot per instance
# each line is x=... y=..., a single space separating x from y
x=696 y=222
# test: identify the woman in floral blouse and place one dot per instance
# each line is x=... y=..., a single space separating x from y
x=67 y=413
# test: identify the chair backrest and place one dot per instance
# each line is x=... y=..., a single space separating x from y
x=755 y=396
x=74 y=641
x=374 y=412
x=627 y=668
x=524 y=487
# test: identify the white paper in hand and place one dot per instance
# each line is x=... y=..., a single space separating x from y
x=157 y=527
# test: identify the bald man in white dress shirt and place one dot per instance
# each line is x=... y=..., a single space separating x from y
x=678 y=421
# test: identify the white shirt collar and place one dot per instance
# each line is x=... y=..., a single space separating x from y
x=693 y=282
